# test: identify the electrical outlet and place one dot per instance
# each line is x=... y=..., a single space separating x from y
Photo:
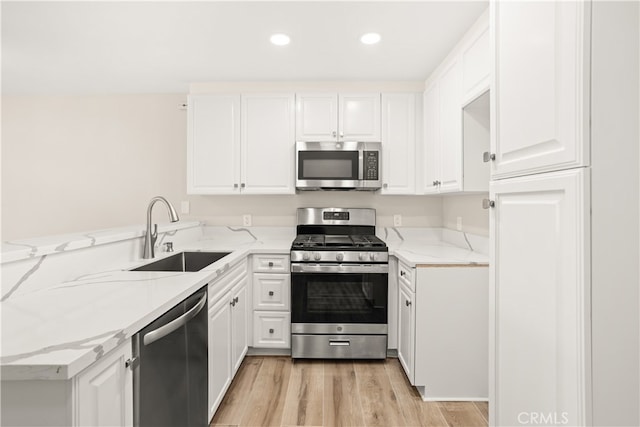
x=185 y=207
x=459 y=223
x=246 y=220
x=397 y=220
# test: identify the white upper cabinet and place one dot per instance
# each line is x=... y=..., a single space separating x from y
x=337 y=117
x=241 y=144
x=398 y=143
x=456 y=114
x=268 y=160
x=213 y=144
x=476 y=61
x=317 y=117
x=541 y=82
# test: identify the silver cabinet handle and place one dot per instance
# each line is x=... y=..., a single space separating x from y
x=486 y=204
x=486 y=156
x=163 y=331
x=132 y=363
x=408 y=303
x=242 y=185
x=270 y=293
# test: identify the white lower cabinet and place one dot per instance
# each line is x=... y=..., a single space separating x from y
x=100 y=395
x=219 y=352
x=104 y=391
x=228 y=331
x=443 y=330
x=271 y=301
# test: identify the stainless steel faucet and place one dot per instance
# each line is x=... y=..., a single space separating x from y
x=151 y=237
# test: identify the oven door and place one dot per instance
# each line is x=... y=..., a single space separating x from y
x=355 y=296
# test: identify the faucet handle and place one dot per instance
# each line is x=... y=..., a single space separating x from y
x=168 y=247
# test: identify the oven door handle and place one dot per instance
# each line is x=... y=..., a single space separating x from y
x=339 y=268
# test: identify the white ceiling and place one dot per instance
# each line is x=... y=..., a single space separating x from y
x=56 y=47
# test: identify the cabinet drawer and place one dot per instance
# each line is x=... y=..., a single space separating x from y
x=271 y=291
x=271 y=329
x=271 y=263
x=406 y=276
x=225 y=282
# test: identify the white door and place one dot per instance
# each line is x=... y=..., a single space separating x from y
x=104 y=391
x=450 y=84
x=359 y=116
x=431 y=151
x=213 y=144
x=539 y=299
x=240 y=324
x=316 y=117
x=268 y=123
x=398 y=143
x=219 y=351
x=541 y=52
x=406 y=332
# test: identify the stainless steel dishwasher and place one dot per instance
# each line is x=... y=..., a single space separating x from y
x=171 y=369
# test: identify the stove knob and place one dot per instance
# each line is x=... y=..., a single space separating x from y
x=316 y=256
x=372 y=256
x=339 y=256
x=362 y=256
x=306 y=256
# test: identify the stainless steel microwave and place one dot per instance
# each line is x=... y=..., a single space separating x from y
x=330 y=165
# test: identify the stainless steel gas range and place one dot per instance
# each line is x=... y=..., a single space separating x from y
x=339 y=279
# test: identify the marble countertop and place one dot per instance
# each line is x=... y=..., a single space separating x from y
x=57 y=332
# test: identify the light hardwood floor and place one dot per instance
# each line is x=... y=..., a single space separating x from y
x=275 y=391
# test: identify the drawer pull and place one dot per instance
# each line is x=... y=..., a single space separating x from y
x=271 y=330
x=270 y=293
x=408 y=303
x=270 y=263
x=340 y=343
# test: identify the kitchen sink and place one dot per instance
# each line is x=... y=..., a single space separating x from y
x=183 y=261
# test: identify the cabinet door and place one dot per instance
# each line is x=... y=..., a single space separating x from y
x=268 y=144
x=104 y=391
x=219 y=351
x=476 y=63
x=239 y=340
x=213 y=144
x=406 y=332
x=316 y=117
x=398 y=143
x=539 y=296
x=359 y=117
x=541 y=83
x=431 y=149
x=450 y=84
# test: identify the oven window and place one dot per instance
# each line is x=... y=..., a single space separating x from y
x=328 y=165
x=339 y=298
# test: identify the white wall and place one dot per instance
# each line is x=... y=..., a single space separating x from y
x=76 y=163
x=475 y=220
x=79 y=163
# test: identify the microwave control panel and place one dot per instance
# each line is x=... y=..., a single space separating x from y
x=371 y=165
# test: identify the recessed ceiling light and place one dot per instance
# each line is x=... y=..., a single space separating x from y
x=280 y=39
x=370 y=38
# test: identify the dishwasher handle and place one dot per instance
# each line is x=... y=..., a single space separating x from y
x=165 y=330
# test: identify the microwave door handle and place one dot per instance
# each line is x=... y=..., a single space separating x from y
x=360 y=163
